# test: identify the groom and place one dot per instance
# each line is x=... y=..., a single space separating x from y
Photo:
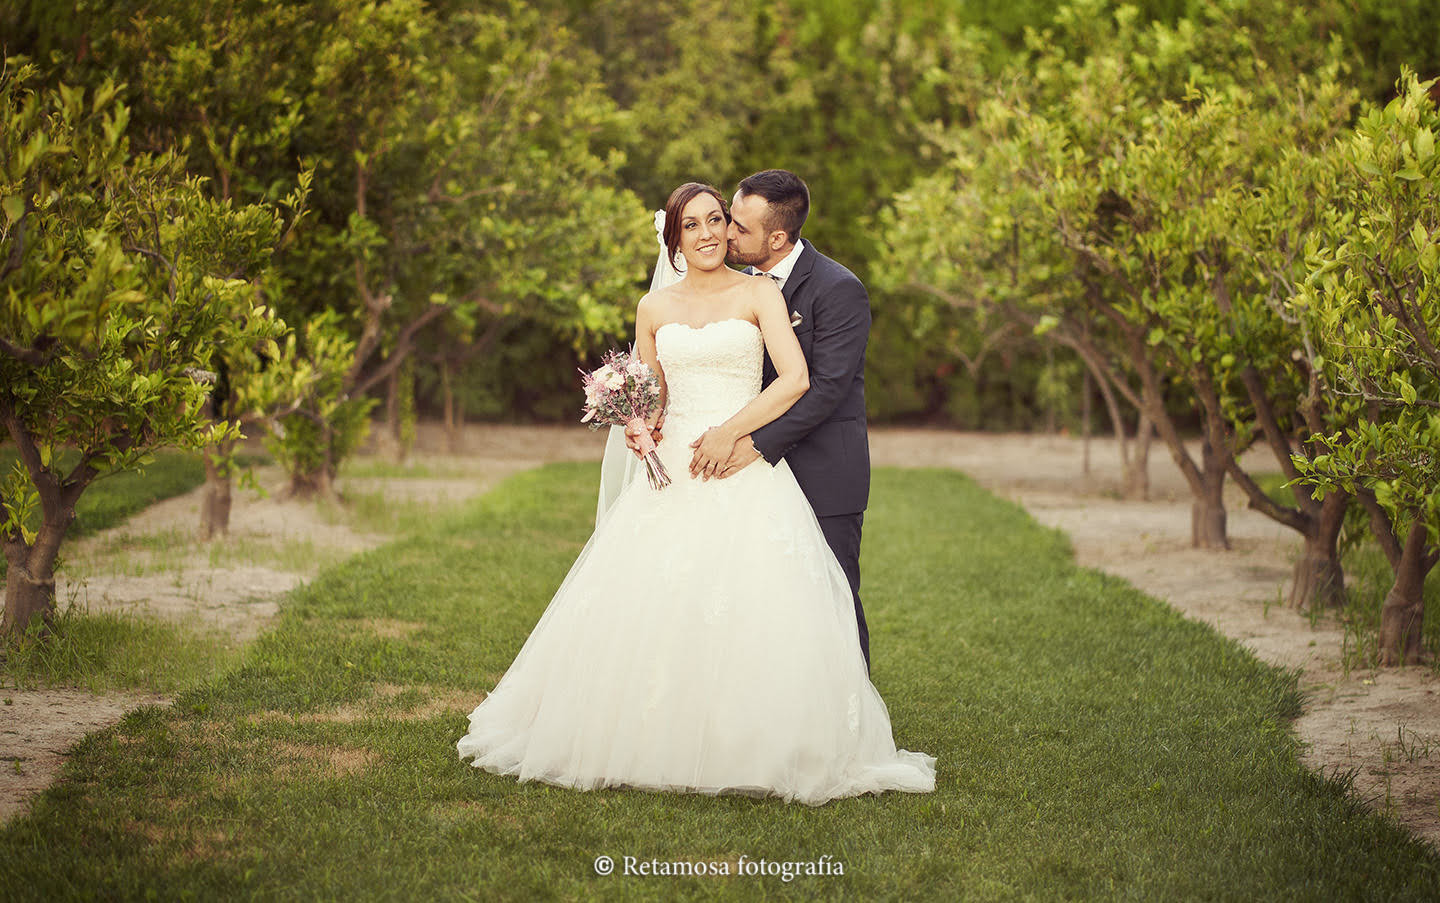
x=823 y=435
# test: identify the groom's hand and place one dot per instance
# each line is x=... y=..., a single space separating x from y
x=741 y=457
x=712 y=450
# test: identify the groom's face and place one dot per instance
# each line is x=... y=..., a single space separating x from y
x=749 y=241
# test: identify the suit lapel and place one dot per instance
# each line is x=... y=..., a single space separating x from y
x=803 y=265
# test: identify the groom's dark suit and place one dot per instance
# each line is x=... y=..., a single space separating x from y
x=823 y=436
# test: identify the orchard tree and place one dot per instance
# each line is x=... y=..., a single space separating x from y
x=1261 y=358
x=463 y=159
x=688 y=78
x=494 y=204
x=120 y=280
x=974 y=237
x=315 y=424
x=1203 y=249
x=981 y=233
x=1094 y=203
x=1375 y=293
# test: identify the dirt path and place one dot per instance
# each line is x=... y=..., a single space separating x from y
x=1383 y=725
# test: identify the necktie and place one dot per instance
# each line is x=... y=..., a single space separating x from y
x=751 y=271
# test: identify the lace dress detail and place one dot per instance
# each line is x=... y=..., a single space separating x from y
x=711 y=371
x=705 y=639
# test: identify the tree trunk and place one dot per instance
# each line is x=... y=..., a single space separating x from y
x=1319 y=578
x=1085 y=420
x=1207 y=511
x=1136 y=470
x=457 y=445
x=447 y=395
x=388 y=438
x=1133 y=473
x=215 y=507
x=1050 y=402
x=312 y=484
x=319 y=481
x=30 y=581
x=1403 y=615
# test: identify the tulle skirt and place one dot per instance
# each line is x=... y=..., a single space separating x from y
x=704 y=641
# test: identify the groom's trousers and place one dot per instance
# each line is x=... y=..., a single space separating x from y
x=842 y=532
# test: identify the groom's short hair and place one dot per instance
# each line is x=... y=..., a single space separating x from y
x=788 y=196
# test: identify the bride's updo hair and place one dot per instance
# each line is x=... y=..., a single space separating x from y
x=673 y=208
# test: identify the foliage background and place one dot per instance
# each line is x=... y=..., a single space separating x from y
x=853 y=94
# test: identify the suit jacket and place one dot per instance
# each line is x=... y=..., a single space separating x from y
x=823 y=435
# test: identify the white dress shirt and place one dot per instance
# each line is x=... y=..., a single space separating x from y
x=781 y=271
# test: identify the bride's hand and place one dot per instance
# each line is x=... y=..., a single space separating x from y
x=712 y=450
x=632 y=438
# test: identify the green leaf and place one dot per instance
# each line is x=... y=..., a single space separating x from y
x=14 y=206
x=1409 y=174
x=1424 y=145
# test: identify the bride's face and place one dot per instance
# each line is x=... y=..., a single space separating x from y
x=702 y=233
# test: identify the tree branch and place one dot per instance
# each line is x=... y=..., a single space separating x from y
x=1381 y=526
x=1294 y=518
x=44 y=479
x=31 y=356
x=402 y=348
x=16 y=258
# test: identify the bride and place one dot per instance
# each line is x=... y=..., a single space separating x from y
x=705 y=640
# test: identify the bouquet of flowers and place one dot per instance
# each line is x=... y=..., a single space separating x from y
x=624 y=391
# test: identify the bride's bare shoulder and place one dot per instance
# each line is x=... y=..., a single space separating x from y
x=653 y=305
x=763 y=292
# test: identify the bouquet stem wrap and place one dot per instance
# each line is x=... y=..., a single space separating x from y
x=624 y=391
x=654 y=469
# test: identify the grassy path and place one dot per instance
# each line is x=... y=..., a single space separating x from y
x=1092 y=743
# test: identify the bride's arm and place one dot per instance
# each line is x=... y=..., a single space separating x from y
x=645 y=326
x=792 y=380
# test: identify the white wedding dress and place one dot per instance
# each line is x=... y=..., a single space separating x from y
x=705 y=639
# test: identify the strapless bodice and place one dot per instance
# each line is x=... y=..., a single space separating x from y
x=710 y=372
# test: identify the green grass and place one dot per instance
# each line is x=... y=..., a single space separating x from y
x=1092 y=743
x=370 y=467
x=113 y=498
x=105 y=650
x=1273 y=485
x=109 y=500
x=108 y=650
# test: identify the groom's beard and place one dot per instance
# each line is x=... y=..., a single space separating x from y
x=737 y=259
